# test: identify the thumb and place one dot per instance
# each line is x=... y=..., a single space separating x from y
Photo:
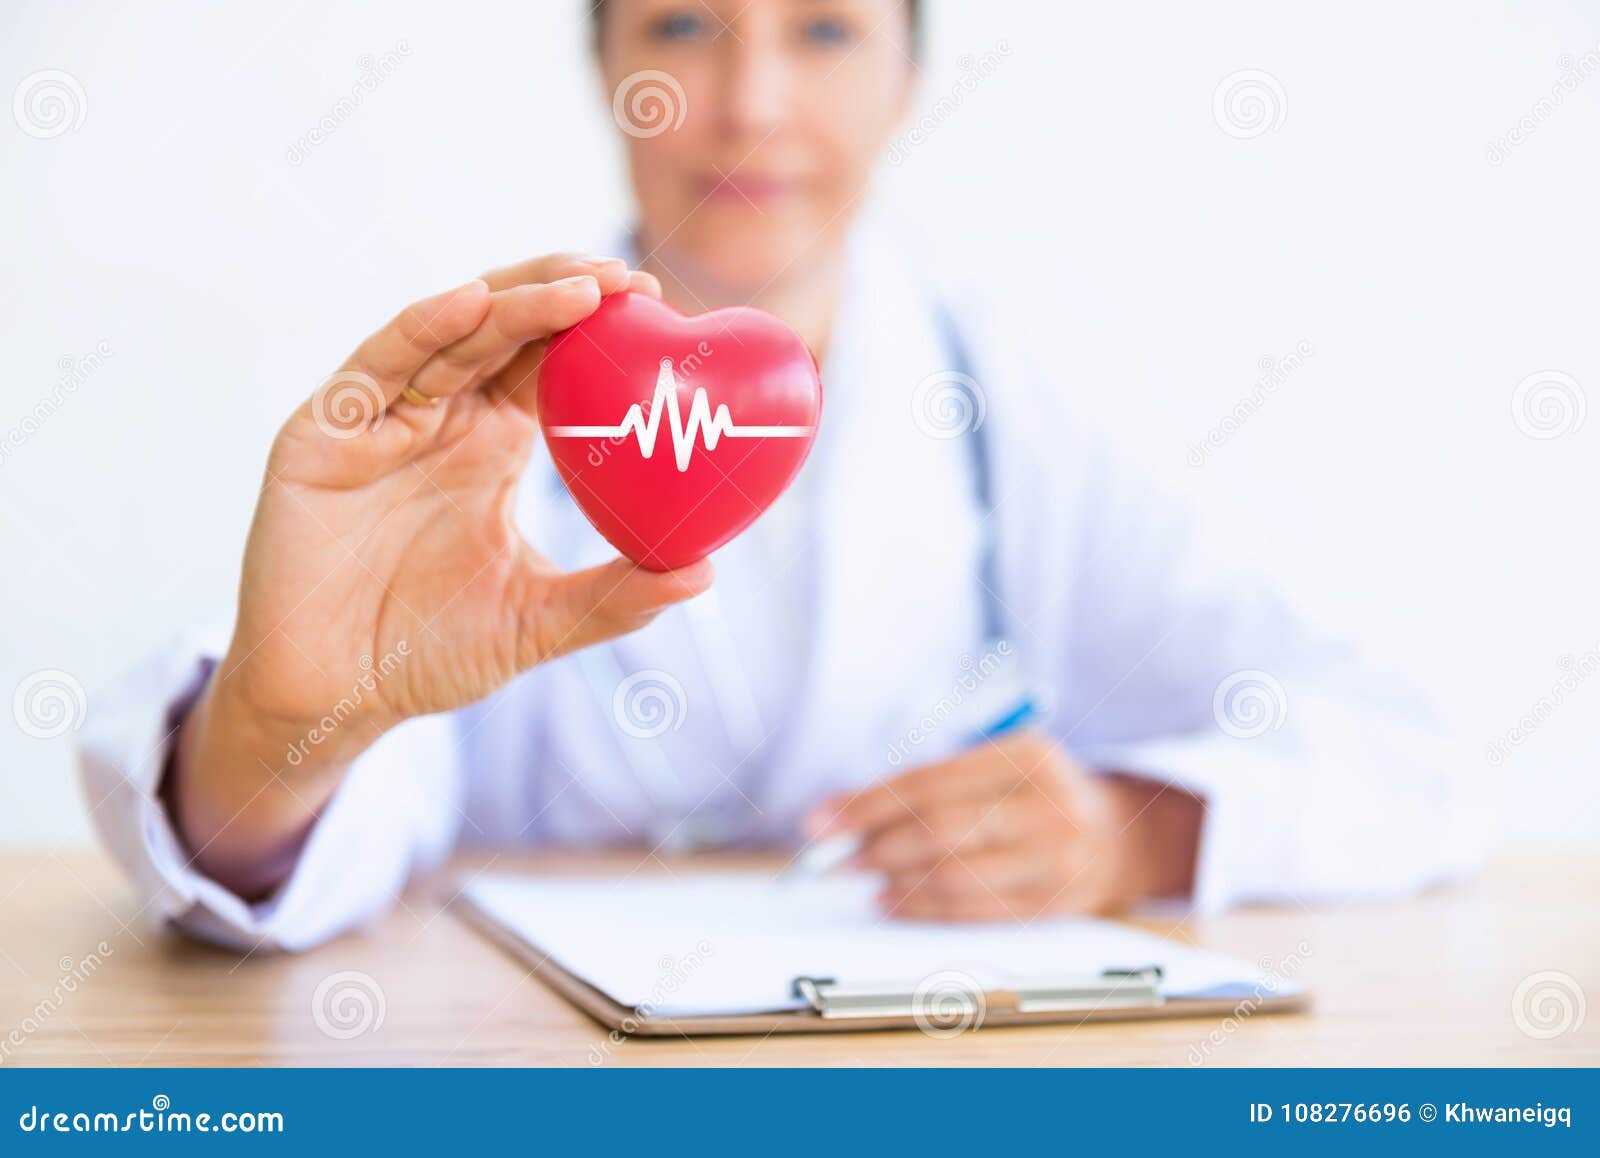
x=565 y=612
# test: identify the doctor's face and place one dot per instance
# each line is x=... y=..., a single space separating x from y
x=752 y=125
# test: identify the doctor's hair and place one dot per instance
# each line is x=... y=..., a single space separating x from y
x=597 y=25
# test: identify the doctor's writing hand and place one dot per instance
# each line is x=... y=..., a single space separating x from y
x=384 y=577
x=1015 y=829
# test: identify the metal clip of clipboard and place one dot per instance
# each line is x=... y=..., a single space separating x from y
x=1110 y=989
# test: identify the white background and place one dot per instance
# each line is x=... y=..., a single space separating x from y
x=1371 y=223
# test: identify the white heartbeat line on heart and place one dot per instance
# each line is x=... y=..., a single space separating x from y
x=710 y=427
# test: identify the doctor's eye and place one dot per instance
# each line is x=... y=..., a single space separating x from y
x=828 y=32
x=684 y=25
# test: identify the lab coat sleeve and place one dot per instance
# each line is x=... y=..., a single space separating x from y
x=1192 y=654
x=1178 y=642
x=394 y=814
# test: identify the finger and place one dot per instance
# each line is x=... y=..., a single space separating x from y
x=1011 y=868
x=910 y=844
x=515 y=317
x=640 y=282
x=976 y=774
x=392 y=355
x=610 y=272
x=928 y=835
x=516 y=377
x=986 y=767
x=924 y=906
x=559 y=613
x=517 y=382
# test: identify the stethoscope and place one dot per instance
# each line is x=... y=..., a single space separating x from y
x=678 y=820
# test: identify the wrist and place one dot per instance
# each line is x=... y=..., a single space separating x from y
x=240 y=808
x=247 y=703
x=1160 y=825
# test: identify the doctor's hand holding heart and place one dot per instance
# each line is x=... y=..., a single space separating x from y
x=385 y=524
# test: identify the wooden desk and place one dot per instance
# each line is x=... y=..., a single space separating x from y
x=1422 y=982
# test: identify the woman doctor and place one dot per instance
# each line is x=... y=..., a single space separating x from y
x=431 y=642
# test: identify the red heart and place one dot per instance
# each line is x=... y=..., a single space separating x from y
x=673 y=434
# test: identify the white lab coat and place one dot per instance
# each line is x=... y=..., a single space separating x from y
x=840 y=644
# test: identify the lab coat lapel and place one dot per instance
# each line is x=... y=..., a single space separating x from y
x=894 y=538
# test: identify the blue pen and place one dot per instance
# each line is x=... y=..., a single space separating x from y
x=827 y=855
x=1018 y=717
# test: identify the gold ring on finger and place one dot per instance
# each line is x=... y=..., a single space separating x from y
x=417 y=398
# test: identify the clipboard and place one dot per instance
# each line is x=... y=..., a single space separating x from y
x=999 y=1008
x=543 y=922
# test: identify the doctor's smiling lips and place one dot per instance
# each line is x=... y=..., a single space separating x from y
x=756 y=192
x=839 y=620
